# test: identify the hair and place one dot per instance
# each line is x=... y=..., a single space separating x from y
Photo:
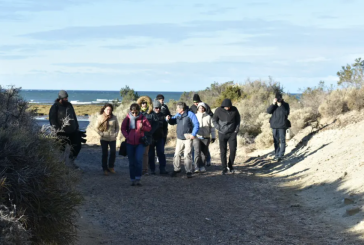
x=135 y=106
x=105 y=106
x=160 y=96
x=181 y=105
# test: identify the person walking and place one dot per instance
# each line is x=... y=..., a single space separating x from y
x=279 y=110
x=107 y=127
x=202 y=141
x=187 y=128
x=158 y=141
x=226 y=120
x=63 y=118
x=193 y=108
x=165 y=112
x=134 y=127
x=146 y=106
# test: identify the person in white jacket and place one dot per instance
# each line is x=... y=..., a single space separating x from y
x=202 y=141
x=107 y=127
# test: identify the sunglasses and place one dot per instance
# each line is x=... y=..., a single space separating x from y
x=157 y=108
x=144 y=102
x=135 y=112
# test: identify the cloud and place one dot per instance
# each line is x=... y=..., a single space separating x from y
x=29 y=48
x=217 y=11
x=14 y=57
x=124 y=47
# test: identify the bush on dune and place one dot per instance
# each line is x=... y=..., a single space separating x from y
x=34 y=179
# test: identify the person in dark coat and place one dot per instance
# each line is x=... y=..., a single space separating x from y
x=164 y=110
x=279 y=110
x=68 y=133
x=158 y=141
x=226 y=120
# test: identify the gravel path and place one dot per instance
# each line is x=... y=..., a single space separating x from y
x=207 y=209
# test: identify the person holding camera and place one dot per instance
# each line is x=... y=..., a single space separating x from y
x=107 y=126
x=202 y=141
x=146 y=108
x=279 y=124
x=187 y=128
x=134 y=127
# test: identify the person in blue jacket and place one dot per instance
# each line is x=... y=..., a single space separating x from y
x=187 y=128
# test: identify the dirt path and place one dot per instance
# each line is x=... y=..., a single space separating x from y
x=207 y=209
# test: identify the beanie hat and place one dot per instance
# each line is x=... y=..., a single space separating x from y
x=156 y=103
x=226 y=103
x=62 y=94
x=201 y=104
x=160 y=96
x=196 y=98
x=278 y=95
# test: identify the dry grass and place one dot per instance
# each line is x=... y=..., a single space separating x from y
x=81 y=110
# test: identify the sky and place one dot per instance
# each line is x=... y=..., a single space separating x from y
x=163 y=45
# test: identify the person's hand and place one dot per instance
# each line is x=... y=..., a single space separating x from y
x=274 y=101
x=192 y=137
x=168 y=117
x=213 y=140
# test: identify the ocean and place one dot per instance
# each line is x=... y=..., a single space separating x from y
x=80 y=97
x=87 y=96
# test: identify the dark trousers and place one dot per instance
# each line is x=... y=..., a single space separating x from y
x=159 y=146
x=74 y=140
x=200 y=146
x=105 y=151
x=208 y=156
x=224 y=139
x=279 y=138
x=135 y=156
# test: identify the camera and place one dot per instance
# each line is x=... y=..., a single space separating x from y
x=144 y=141
x=82 y=134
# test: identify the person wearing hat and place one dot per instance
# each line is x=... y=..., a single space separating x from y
x=226 y=120
x=68 y=132
x=164 y=110
x=279 y=110
x=203 y=139
x=158 y=141
x=193 y=108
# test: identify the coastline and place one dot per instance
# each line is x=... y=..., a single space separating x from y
x=42 y=110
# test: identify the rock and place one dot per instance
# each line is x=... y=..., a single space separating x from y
x=353 y=211
x=348 y=201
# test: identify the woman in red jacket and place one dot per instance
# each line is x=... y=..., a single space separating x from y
x=133 y=128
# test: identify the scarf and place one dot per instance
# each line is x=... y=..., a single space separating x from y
x=104 y=126
x=132 y=124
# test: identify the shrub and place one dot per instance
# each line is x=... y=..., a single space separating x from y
x=34 y=176
x=231 y=92
x=355 y=99
x=128 y=94
x=302 y=118
x=314 y=97
x=334 y=104
x=265 y=138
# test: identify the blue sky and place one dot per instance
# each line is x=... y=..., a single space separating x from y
x=162 y=45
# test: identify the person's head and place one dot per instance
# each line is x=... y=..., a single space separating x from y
x=144 y=104
x=157 y=106
x=201 y=107
x=62 y=96
x=160 y=98
x=180 y=107
x=226 y=104
x=279 y=97
x=107 y=109
x=134 y=109
x=196 y=99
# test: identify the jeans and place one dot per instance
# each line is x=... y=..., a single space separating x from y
x=159 y=146
x=135 y=156
x=105 y=150
x=279 y=138
x=201 y=146
x=224 y=139
x=73 y=139
x=145 y=159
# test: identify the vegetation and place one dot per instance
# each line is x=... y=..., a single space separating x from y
x=128 y=95
x=81 y=110
x=38 y=199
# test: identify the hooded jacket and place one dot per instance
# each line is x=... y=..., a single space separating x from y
x=150 y=115
x=162 y=129
x=113 y=128
x=187 y=123
x=205 y=125
x=226 y=121
x=133 y=136
x=279 y=115
x=59 y=112
x=194 y=109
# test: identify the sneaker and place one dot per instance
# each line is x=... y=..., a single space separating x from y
x=112 y=170
x=106 y=173
x=189 y=175
x=202 y=169
x=163 y=172
x=133 y=183
x=157 y=160
x=224 y=172
x=232 y=171
x=197 y=170
x=208 y=163
x=137 y=183
x=174 y=173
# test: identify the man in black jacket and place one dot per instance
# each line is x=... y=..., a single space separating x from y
x=61 y=112
x=278 y=122
x=196 y=101
x=226 y=120
x=158 y=141
x=164 y=110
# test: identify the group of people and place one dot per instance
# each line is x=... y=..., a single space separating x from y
x=145 y=129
